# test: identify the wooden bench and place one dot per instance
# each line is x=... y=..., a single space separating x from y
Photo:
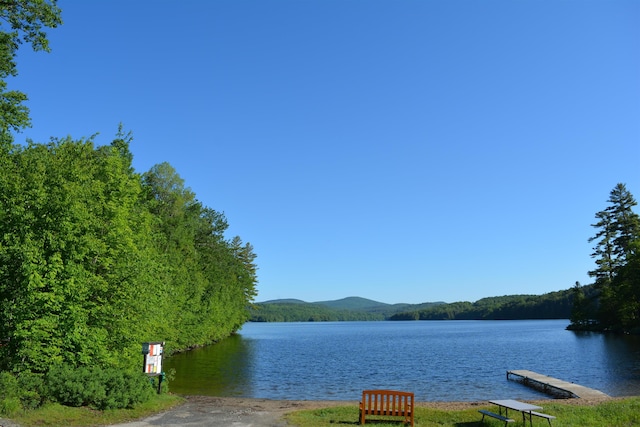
x=496 y=416
x=541 y=415
x=387 y=403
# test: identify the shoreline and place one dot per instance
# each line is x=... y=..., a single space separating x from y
x=284 y=406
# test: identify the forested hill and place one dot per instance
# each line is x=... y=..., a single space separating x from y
x=555 y=305
x=351 y=308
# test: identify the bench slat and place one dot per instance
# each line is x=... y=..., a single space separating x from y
x=539 y=414
x=496 y=416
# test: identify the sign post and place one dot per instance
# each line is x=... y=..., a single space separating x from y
x=152 y=360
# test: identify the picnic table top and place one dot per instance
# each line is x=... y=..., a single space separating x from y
x=516 y=405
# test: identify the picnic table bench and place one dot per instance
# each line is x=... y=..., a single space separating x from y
x=387 y=403
x=527 y=409
x=496 y=416
x=541 y=415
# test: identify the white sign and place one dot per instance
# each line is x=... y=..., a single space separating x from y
x=153 y=359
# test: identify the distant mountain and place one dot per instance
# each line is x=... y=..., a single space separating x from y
x=353 y=303
x=284 y=301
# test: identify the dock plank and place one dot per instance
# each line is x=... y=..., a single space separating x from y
x=555 y=386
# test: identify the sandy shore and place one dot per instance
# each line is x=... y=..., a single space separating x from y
x=285 y=406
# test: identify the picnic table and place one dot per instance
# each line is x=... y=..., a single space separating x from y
x=525 y=408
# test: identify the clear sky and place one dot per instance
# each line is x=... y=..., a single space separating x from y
x=402 y=151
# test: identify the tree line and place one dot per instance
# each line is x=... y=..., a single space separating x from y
x=306 y=312
x=96 y=258
x=612 y=302
x=554 y=305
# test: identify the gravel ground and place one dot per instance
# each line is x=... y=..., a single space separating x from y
x=201 y=411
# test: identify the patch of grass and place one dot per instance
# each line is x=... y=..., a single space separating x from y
x=56 y=415
x=617 y=412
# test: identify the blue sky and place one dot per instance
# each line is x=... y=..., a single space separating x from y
x=402 y=151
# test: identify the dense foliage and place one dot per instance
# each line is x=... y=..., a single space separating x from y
x=345 y=309
x=96 y=259
x=554 y=305
x=614 y=302
x=97 y=388
x=307 y=312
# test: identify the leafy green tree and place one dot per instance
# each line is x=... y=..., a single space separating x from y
x=73 y=257
x=96 y=259
x=246 y=269
x=20 y=21
x=210 y=281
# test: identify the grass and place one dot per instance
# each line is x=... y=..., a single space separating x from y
x=55 y=415
x=617 y=412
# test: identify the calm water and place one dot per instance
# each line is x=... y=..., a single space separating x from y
x=438 y=360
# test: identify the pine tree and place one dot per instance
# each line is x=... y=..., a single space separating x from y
x=616 y=254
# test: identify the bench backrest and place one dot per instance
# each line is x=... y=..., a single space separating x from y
x=387 y=402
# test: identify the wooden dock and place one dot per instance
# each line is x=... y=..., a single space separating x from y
x=553 y=386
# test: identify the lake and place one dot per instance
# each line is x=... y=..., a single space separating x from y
x=437 y=360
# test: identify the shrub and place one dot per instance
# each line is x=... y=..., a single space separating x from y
x=10 y=406
x=31 y=392
x=18 y=392
x=98 y=388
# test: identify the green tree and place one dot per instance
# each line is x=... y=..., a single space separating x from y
x=581 y=313
x=20 y=21
x=616 y=254
x=73 y=257
x=210 y=281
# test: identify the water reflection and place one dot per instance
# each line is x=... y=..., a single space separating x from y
x=607 y=362
x=223 y=369
x=623 y=361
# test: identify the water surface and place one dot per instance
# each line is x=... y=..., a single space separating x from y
x=437 y=360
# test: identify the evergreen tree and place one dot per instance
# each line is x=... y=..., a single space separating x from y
x=616 y=275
